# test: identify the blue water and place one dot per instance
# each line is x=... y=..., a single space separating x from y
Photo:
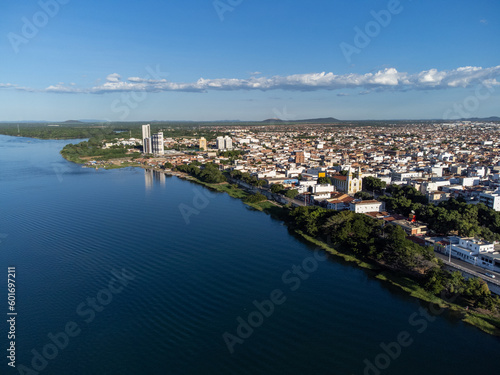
x=69 y=231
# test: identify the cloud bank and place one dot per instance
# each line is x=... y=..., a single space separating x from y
x=387 y=79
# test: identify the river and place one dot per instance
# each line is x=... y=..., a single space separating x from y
x=132 y=272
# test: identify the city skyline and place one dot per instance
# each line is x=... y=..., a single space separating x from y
x=208 y=61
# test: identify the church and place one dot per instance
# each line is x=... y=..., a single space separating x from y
x=349 y=184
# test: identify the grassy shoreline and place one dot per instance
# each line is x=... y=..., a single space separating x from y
x=484 y=322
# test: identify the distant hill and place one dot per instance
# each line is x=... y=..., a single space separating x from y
x=272 y=120
x=72 y=122
x=325 y=120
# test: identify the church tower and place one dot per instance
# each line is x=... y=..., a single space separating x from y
x=354 y=181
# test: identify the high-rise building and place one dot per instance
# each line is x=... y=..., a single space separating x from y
x=224 y=143
x=220 y=143
x=146 y=139
x=157 y=144
x=203 y=144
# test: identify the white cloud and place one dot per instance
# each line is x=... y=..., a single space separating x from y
x=113 y=77
x=386 y=79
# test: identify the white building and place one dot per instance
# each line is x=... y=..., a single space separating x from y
x=492 y=200
x=489 y=261
x=361 y=207
x=349 y=184
x=157 y=144
x=430 y=186
x=224 y=143
x=219 y=143
x=469 y=249
x=146 y=139
x=402 y=176
x=228 y=143
x=324 y=188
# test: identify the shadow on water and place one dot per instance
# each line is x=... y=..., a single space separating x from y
x=453 y=317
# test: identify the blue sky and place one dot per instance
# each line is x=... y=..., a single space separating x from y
x=249 y=60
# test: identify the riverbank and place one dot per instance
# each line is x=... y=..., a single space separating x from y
x=276 y=210
x=478 y=318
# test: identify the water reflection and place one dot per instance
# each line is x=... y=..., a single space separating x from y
x=152 y=177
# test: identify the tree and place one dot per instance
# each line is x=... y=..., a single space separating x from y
x=476 y=289
x=292 y=193
x=276 y=188
x=373 y=184
x=324 y=181
x=363 y=195
x=255 y=198
x=260 y=183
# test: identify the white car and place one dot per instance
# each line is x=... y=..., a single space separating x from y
x=490 y=275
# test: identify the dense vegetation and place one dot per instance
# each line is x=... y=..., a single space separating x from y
x=324 y=181
x=365 y=236
x=255 y=198
x=388 y=245
x=92 y=148
x=464 y=219
x=60 y=132
x=246 y=177
x=209 y=173
x=106 y=130
x=373 y=184
x=449 y=217
x=233 y=154
x=363 y=195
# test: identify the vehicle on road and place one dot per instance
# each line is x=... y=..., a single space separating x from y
x=490 y=275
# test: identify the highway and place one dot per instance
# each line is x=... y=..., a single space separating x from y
x=470 y=268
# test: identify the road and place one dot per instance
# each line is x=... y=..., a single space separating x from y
x=470 y=268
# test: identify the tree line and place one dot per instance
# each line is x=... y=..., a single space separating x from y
x=454 y=216
x=388 y=245
x=209 y=172
x=92 y=148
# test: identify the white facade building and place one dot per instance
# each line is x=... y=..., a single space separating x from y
x=361 y=207
x=224 y=143
x=219 y=143
x=401 y=176
x=325 y=188
x=146 y=139
x=157 y=144
x=469 y=249
x=492 y=200
x=228 y=143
